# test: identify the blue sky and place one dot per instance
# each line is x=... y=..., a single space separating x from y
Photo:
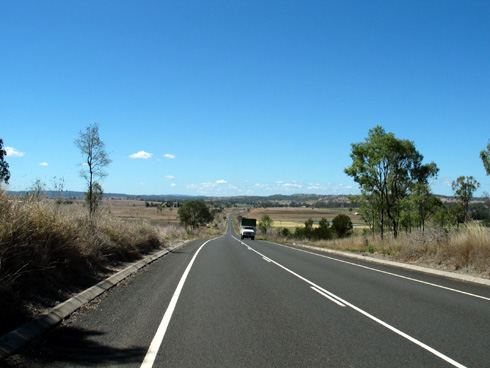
x=241 y=97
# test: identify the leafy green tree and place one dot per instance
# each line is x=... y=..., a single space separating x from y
x=285 y=232
x=371 y=209
x=485 y=157
x=4 y=166
x=424 y=202
x=299 y=232
x=463 y=188
x=442 y=217
x=265 y=223
x=194 y=213
x=387 y=168
x=323 y=231
x=308 y=233
x=342 y=225
x=457 y=214
x=96 y=159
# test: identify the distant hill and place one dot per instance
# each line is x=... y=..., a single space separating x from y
x=81 y=195
x=277 y=200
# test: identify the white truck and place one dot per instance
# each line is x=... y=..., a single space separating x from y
x=248 y=228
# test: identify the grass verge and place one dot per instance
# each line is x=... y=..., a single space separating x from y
x=47 y=255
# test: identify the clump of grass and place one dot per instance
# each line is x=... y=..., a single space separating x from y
x=467 y=248
x=45 y=254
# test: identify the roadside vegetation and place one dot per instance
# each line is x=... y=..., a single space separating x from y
x=400 y=216
x=465 y=249
x=46 y=253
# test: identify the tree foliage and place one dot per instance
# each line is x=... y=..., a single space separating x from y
x=386 y=169
x=4 y=166
x=265 y=223
x=342 y=226
x=485 y=157
x=194 y=213
x=463 y=188
x=96 y=159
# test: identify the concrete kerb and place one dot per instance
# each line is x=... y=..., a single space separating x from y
x=14 y=340
x=451 y=275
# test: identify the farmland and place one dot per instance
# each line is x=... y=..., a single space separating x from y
x=291 y=218
x=131 y=210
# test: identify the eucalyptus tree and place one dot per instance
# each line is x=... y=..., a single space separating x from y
x=463 y=188
x=194 y=214
x=265 y=223
x=424 y=203
x=388 y=168
x=96 y=159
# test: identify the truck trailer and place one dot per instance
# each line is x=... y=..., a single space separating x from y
x=248 y=228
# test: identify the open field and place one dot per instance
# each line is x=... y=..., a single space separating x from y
x=131 y=210
x=292 y=217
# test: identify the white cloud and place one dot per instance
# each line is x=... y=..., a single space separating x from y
x=43 y=164
x=173 y=185
x=170 y=177
x=84 y=164
x=168 y=155
x=141 y=154
x=221 y=182
x=12 y=152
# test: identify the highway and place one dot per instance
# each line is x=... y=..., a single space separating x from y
x=232 y=303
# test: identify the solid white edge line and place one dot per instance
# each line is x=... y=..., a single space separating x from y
x=375 y=319
x=327 y=296
x=386 y=272
x=162 y=328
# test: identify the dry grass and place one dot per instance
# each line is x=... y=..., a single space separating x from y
x=48 y=251
x=465 y=250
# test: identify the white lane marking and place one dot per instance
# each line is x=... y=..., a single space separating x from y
x=386 y=272
x=327 y=296
x=266 y=259
x=162 y=329
x=370 y=316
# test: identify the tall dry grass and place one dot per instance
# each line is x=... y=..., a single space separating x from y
x=464 y=250
x=46 y=253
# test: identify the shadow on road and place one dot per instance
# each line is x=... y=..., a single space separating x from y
x=73 y=347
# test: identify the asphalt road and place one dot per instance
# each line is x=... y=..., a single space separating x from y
x=233 y=303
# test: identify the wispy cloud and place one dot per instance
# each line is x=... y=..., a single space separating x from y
x=43 y=164
x=142 y=155
x=168 y=155
x=212 y=187
x=170 y=177
x=12 y=152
